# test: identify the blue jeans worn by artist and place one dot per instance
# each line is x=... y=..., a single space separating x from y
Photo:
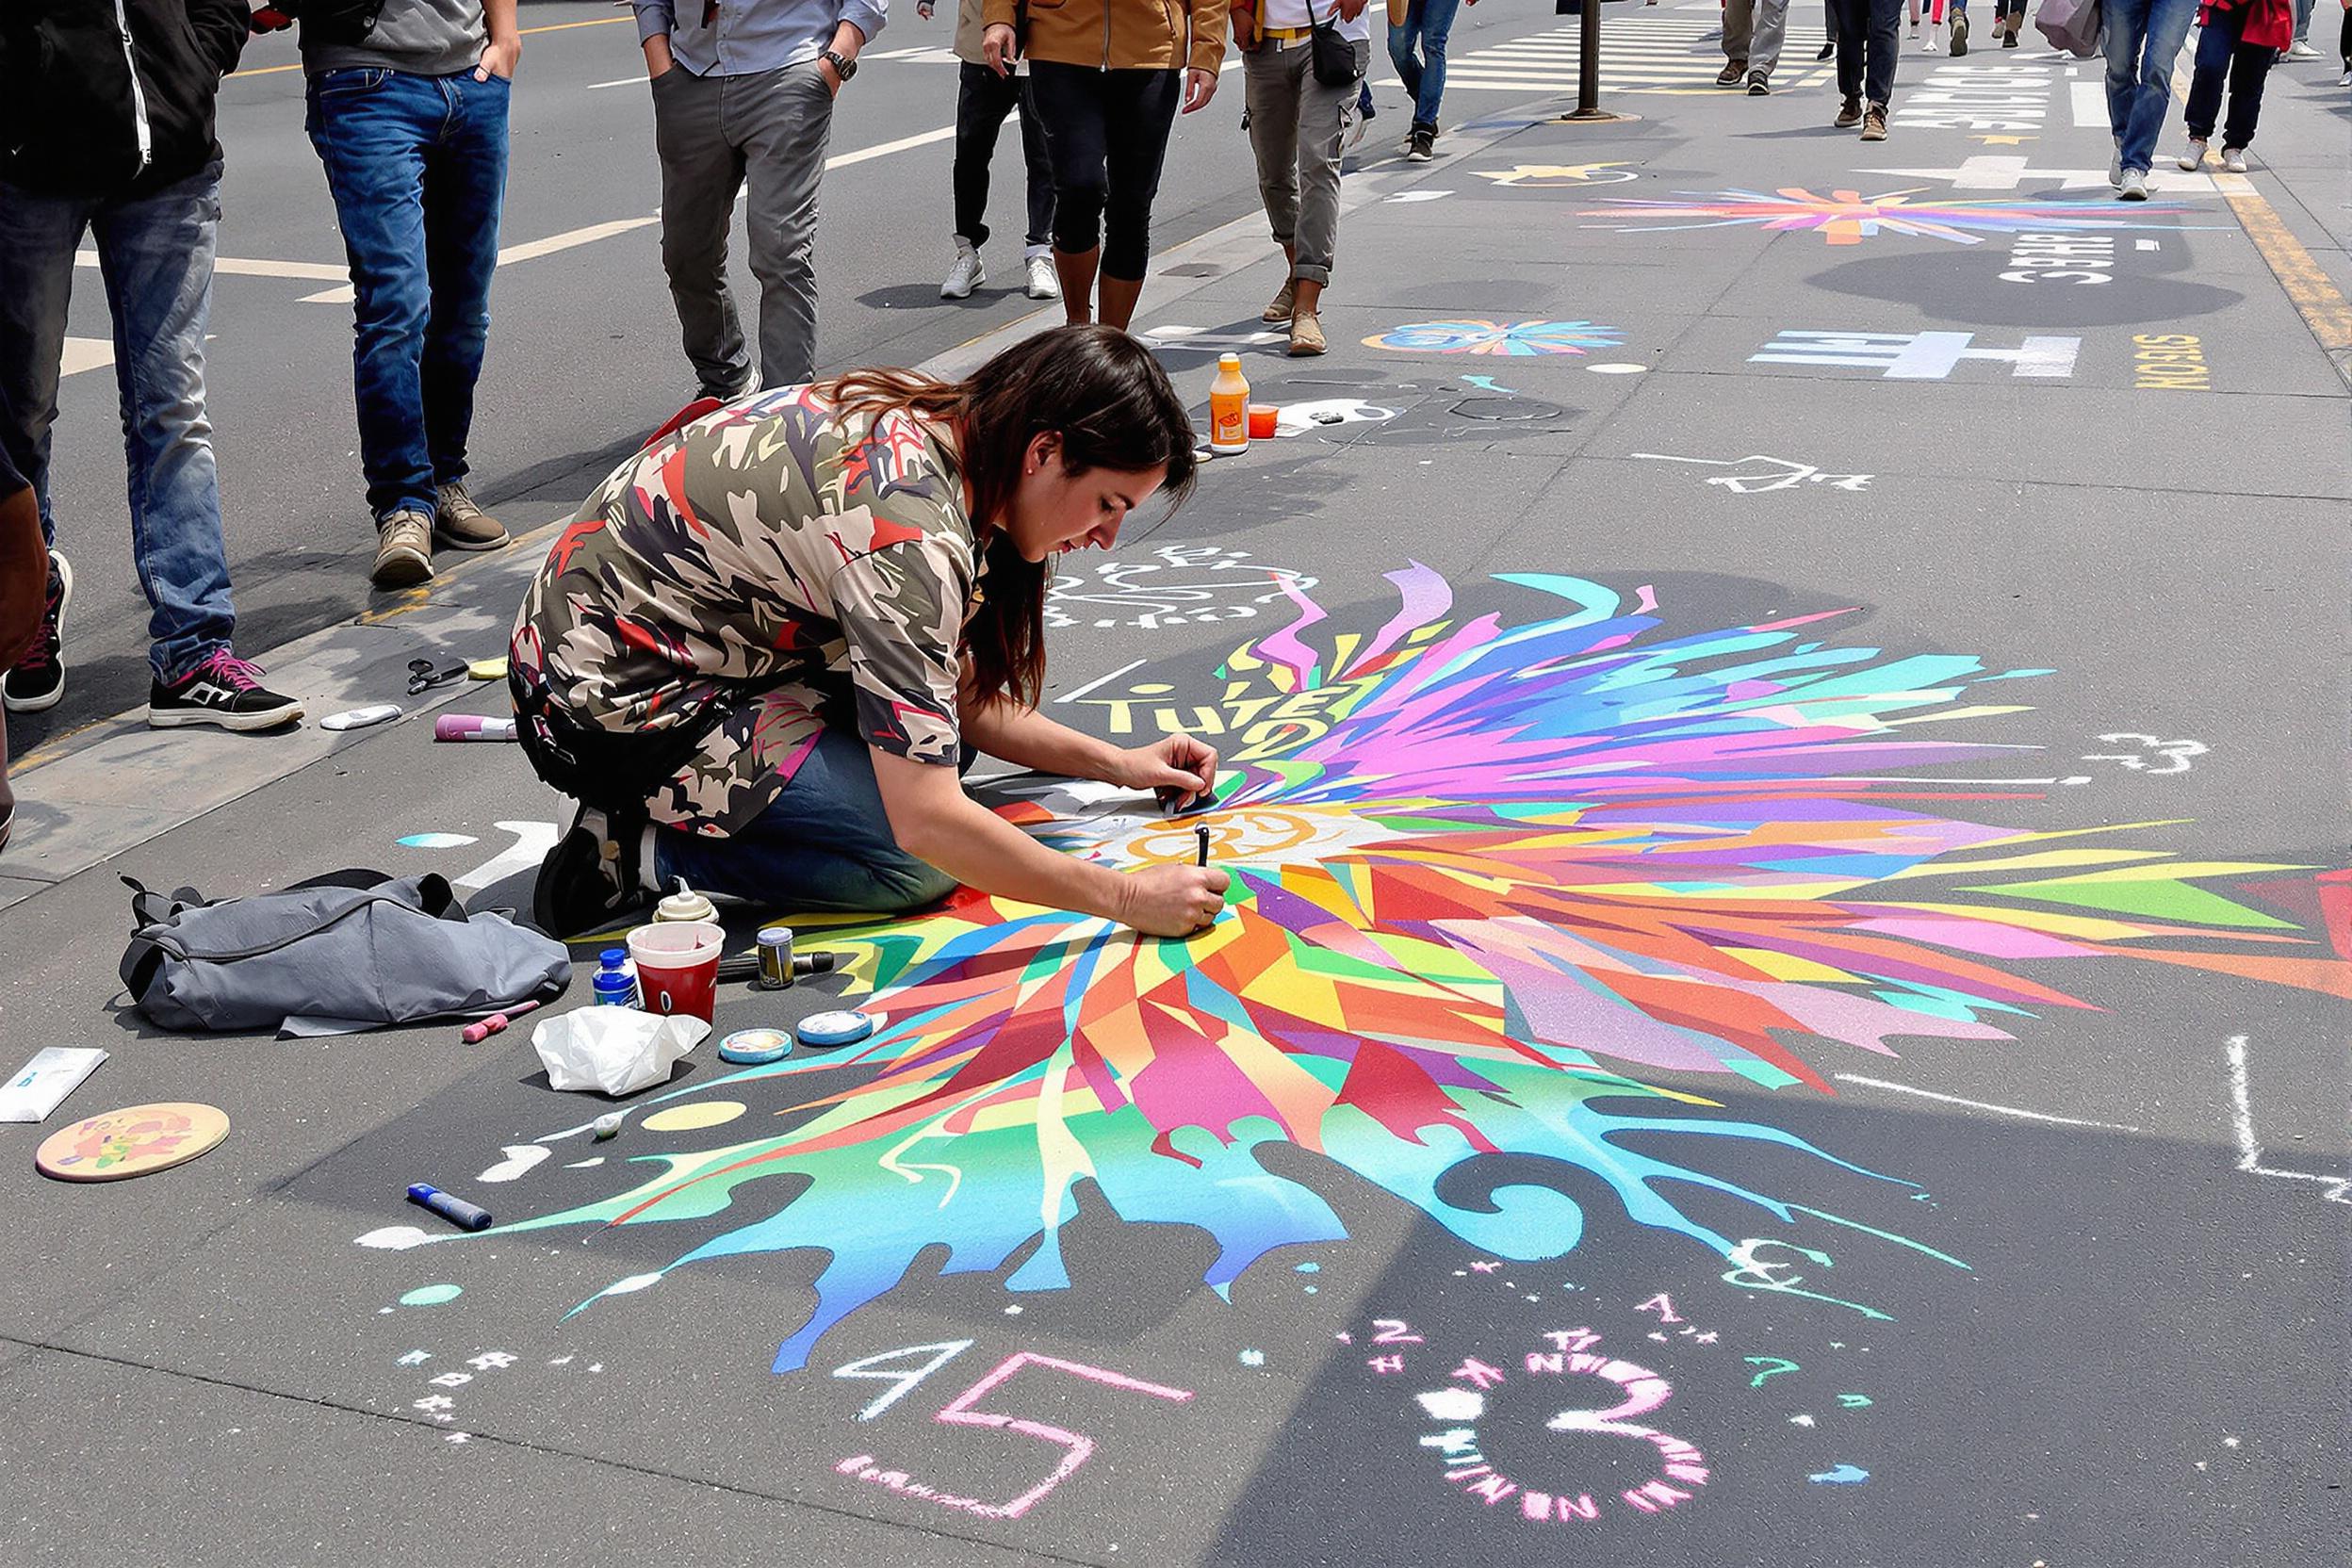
x=1427 y=23
x=154 y=255
x=823 y=844
x=417 y=169
x=2144 y=37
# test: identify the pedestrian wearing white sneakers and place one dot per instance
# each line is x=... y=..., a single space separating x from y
x=2239 y=41
x=983 y=99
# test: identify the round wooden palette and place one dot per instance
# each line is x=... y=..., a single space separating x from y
x=136 y=1140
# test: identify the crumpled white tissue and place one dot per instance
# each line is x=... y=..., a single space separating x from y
x=614 y=1050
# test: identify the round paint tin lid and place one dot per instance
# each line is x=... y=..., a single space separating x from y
x=825 y=1030
x=755 y=1047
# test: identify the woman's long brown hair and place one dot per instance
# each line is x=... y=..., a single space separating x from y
x=1095 y=389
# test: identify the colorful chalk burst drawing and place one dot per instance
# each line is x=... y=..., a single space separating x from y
x=1485 y=877
x=1848 y=217
x=1497 y=338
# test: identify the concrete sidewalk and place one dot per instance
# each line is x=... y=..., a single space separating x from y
x=1782 y=993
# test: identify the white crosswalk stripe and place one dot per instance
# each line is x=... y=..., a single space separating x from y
x=1638 y=54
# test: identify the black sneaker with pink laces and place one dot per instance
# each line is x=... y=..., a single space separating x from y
x=37 y=681
x=223 y=691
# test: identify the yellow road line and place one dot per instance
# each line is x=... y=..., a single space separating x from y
x=2315 y=294
x=2307 y=285
x=550 y=27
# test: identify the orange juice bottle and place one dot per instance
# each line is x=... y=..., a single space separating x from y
x=1229 y=407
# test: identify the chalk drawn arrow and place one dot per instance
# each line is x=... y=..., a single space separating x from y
x=1845 y=1475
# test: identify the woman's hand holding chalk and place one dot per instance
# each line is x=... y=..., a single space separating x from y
x=1179 y=769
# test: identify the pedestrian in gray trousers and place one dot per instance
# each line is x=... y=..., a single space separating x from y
x=1752 y=32
x=743 y=93
x=1298 y=129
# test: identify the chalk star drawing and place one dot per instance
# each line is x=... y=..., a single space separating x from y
x=1181 y=583
x=1546 y=176
x=1474 y=336
x=1512 y=869
x=1848 y=217
x=1773 y=473
x=1989 y=171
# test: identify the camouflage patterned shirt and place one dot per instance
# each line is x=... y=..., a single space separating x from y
x=832 y=563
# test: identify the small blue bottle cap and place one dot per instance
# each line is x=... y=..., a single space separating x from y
x=613 y=957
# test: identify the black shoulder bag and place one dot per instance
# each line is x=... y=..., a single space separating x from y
x=1334 y=57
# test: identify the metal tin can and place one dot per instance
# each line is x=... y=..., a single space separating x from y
x=776 y=958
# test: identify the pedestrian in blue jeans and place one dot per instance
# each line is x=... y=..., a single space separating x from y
x=107 y=132
x=1426 y=24
x=409 y=116
x=2144 y=37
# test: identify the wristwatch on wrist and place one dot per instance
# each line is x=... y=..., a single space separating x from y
x=843 y=67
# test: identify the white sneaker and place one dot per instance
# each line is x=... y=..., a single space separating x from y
x=1044 y=282
x=2192 y=158
x=2233 y=160
x=2134 y=186
x=966 y=275
x=2302 y=51
x=2115 y=170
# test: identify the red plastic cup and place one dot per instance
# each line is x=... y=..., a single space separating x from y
x=678 y=966
x=1262 y=418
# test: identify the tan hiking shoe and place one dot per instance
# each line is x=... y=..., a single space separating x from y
x=1874 y=123
x=1306 y=335
x=404 y=550
x=1280 y=310
x=458 y=523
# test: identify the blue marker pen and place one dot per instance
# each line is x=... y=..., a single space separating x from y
x=471 y=1217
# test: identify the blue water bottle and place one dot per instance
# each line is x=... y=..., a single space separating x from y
x=615 y=986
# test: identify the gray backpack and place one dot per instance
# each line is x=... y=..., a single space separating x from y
x=355 y=949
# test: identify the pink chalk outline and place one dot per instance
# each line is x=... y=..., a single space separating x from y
x=959 y=1413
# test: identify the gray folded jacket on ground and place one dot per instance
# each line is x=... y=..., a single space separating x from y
x=356 y=947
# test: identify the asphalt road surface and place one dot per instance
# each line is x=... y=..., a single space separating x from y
x=1783 y=1004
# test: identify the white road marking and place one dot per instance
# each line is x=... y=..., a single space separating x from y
x=529 y=251
x=86 y=353
x=2090 y=104
x=883 y=149
x=1091 y=685
x=618 y=81
x=243 y=267
x=1982 y=1106
x=2249 y=1149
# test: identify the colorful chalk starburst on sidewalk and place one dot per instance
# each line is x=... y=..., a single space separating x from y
x=1848 y=217
x=1489 y=882
x=1497 y=338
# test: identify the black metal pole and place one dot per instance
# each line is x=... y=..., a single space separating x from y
x=1589 y=61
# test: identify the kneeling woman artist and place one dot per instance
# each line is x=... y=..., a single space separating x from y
x=760 y=653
